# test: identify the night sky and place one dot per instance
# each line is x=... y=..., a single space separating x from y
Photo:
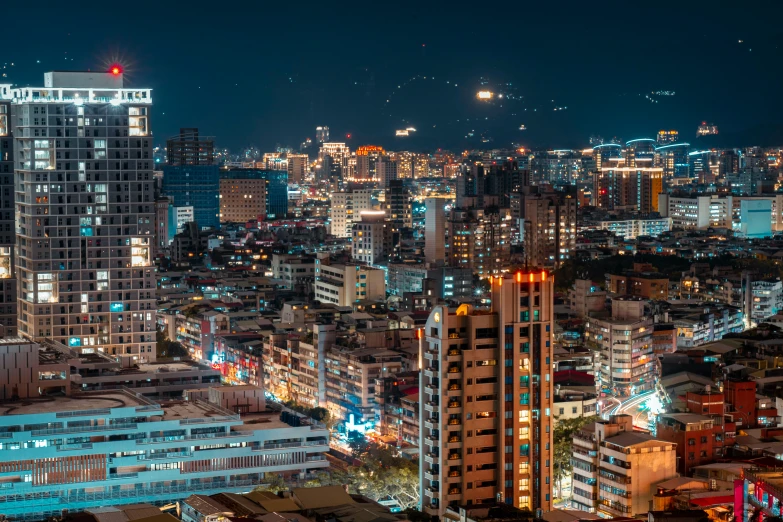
x=267 y=73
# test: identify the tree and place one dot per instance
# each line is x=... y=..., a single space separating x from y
x=562 y=437
x=273 y=483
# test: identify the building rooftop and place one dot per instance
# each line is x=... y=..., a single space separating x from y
x=77 y=402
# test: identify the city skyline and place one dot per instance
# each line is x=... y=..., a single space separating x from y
x=302 y=75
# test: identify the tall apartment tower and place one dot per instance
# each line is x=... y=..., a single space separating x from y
x=550 y=229
x=7 y=231
x=486 y=394
x=634 y=189
x=346 y=209
x=298 y=166
x=398 y=205
x=85 y=213
x=435 y=230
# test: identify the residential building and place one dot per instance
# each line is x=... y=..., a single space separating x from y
x=125 y=462
x=624 y=343
x=550 y=229
x=673 y=159
x=249 y=182
x=242 y=200
x=616 y=468
x=697 y=212
x=628 y=188
x=642 y=281
x=586 y=297
x=333 y=159
x=700 y=439
x=372 y=237
x=766 y=299
x=344 y=285
x=630 y=229
x=294 y=271
x=346 y=208
x=298 y=168
x=479 y=441
x=84 y=262
x=386 y=171
x=479 y=240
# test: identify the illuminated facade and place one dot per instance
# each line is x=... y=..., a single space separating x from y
x=298 y=168
x=674 y=160
x=345 y=210
x=667 y=136
x=478 y=240
x=624 y=345
x=486 y=399
x=242 y=200
x=550 y=229
x=84 y=183
x=628 y=188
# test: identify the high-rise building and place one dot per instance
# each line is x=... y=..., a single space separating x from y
x=624 y=343
x=607 y=155
x=669 y=136
x=479 y=240
x=367 y=158
x=346 y=208
x=728 y=162
x=628 y=188
x=242 y=200
x=275 y=189
x=8 y=283
x=673 y=159
x=639 y=153
x=486 y=393
x=398 y=205
x=321 y=134
x=84 y=168
x=550 y=229
x=386 y=170
x=372 y=237
x=334 y=160
x=190 y=149
x=298 y=167
x=161 y=226
x=435 y=230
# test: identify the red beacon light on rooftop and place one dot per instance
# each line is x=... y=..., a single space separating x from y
x=115 y=70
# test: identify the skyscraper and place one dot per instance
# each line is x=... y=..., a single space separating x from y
x=486 y=393
x=386 y=171
x=398 y=205
x=83 y=153
x=480 y=240
x=346 y=208
x=673 y=158
x=7 y=227
x=188 y=148
x=322 y=134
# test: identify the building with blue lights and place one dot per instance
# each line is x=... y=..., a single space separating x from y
x=196 y=186
x=673 y=158
x=111 y=448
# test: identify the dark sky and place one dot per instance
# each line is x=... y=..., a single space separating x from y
x=267 y=73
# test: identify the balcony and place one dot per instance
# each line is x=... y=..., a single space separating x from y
x=432 y=474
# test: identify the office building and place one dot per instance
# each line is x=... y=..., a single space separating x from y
x=345 y=285
x=398 y=205
x=486 y=416
x=298 y=168
x=250 y=181
x=8 y=282
x=346 y=208
x=85 y=238
x=616 y=468
x=697 y=212
x=606 y=155
x=632 y=228
x=372 y=237
x=168 y=451
x=242 y=200
x=190 y=149
x=623 y=341
x=435 y=230
x=196 y=186
x=479 y=240
x=640 y=153
x=550 y=229
x=628 y=188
